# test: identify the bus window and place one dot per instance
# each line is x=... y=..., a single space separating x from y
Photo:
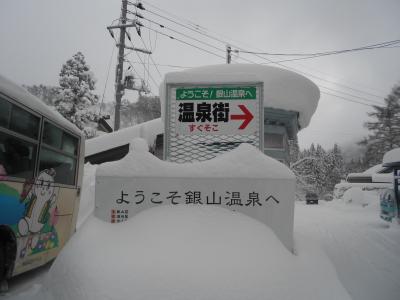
x=63 y=165
x=70 y=144
x=58 y=139
x=52 y=135
x=5 y=109
x=17 y=157
x=24 y=122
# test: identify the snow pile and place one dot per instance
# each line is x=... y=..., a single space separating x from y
x=392 y=156
x=355 y=195
x=283 y=89
x=245 y=161
x=188 y=252
x=86 y=204
x=147 y=130
x=363 y=248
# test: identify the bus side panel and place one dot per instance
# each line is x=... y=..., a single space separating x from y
x=40 y=218
x=77 y=198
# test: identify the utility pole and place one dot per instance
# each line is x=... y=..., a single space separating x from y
x=228 y=54
x=129 y=82
x=119 y=89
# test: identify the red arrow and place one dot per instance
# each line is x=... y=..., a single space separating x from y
x=247 y=117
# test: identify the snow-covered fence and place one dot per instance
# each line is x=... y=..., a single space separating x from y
x=243 y=180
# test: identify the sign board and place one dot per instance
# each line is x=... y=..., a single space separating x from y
x=388 y=209
x=270 y=201
x=202 y=121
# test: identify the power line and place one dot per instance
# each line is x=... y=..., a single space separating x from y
x=257 y=55
x=345 y=86
x=144 y=66
x=184 y=42
x=347 y=99
x=167 y=65
x=316 y=54
x=197 y=28
x=105 y=84
x=351 y=95
x=185 y=35
x=159 y=73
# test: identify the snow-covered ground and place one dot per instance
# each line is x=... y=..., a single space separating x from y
x=363 y=249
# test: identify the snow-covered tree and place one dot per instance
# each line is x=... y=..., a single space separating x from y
x=384 y=129
x=144 y=109
x=335 y=171
x=294 y=150
x=48 y=94
x=318 y=170
x=76 y=100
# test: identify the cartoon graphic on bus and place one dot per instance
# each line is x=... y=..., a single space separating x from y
x=40 y=210
x=40 y=200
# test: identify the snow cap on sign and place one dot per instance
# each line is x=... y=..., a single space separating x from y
x=392 y=156
x=283 y=89
x=245 y=161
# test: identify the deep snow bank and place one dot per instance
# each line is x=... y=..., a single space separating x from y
x=86 y=204
x=245 y=161
x=188 y=252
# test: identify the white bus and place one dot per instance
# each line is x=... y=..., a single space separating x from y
x=41 y=166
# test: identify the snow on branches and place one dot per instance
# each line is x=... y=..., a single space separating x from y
x=75 y=99
x=318 y=170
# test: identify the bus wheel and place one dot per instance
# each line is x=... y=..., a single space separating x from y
x=3 y=280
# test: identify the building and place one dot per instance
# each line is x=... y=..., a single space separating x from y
x=289 y=101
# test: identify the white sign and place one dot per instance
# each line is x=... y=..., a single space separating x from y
x=216 y=118
x=270 y=201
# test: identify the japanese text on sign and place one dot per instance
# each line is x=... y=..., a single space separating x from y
x=204 y=112
x=223 y=93
x=229 y=198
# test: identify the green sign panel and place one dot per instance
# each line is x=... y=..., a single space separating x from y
x=217 y=93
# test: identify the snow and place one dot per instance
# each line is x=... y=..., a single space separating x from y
x=371 y=170
x=356 y=195
x=392 y=156
x=86 y=205
x=244 y=170
x=18 y=93
x=147 y=130
x=362 y=248
x=283 y=89
x=245 y=161
x=188 y=252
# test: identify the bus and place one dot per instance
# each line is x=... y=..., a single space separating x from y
x=41 y=168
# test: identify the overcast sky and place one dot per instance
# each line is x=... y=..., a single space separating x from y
x=37 y=37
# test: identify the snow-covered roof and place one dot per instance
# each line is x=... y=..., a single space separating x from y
x=283 y=89
x=147 y=130
x=371 y=170
x=23 y=97
x=245 y=161
x=391 y=156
